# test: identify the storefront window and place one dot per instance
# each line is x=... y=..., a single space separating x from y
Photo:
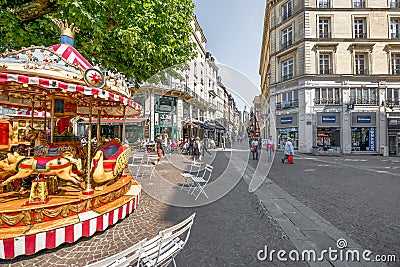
x=363 y=139
x=328 y=139
x=291 y=133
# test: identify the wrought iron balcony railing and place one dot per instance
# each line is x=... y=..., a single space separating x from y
x=395 y=35
x=287 y=104
x=365 y=101
x=328 y=101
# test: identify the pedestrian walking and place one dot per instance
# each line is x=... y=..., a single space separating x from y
x=159 y=148
x=254 y=148
x=204 y=145
x=196 y=148
x=288 y=151
x=223 y=142
x=270 y=147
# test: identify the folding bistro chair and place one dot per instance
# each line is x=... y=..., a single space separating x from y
x=163 y=248
x=195 y=168
x=149 y=165
x=201 y=182
x=137 y=161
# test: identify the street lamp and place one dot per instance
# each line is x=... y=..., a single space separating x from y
x=387 y=105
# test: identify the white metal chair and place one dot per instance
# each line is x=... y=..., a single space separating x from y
x=200 y=182
x=195 y=168
x=162 y=249
x=149 y=165
x=123 y=258
x=137 y=161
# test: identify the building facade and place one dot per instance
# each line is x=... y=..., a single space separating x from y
x=183 y=106
x=330 y=70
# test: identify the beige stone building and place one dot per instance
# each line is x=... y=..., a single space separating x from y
x=330 y=73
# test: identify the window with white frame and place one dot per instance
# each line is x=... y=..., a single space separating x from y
x=328 y=96
x=286 y=10
x=395 y=63
x=287 y=37
x=287 y=69
x=360 y=28
x=324 y=3
x=324 y=28
x=360 y=63
x=394 y=28
x=364 y=96
x=359 y=3
x=393 y=96
x=325 y=63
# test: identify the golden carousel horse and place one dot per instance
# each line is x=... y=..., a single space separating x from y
x=51 y=166
x=109 y=162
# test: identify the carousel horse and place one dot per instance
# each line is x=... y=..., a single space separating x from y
x=109 y=162
x=26 y=166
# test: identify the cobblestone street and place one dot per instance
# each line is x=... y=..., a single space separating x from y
x=302 y=206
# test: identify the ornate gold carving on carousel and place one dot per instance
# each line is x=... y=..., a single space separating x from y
x=32 y=62
x=24 y=216
x=77 y=208
x=39 y=193
x=3 y=67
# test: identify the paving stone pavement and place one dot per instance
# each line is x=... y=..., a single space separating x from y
x=227 y=232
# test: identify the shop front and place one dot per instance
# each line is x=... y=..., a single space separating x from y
x=394 y=134
x=328 y=132
x=363 y=131
x=165 y=125
x=287 y=127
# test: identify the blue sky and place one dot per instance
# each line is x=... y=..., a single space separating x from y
x=233 y=29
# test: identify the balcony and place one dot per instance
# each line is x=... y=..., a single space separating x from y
x=287 y=104
x=287 y=43
x=324 y=35
x=391 y=102
x=360 y=35
x=361 y=71
x=326 y=71
x=328 y=101
x=394 y=4
x=359 y=4
x=364 y=101
x=287 y=77
x=395 y=36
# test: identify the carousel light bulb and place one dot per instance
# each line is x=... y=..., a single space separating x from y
x=24 y=85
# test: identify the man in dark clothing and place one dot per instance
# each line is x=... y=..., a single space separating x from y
x=205 y=145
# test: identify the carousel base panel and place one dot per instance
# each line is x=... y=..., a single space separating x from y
x=102 y=209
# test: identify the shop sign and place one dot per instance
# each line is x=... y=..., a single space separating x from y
x=372 y=146
x=364 y=119
x=287 y=120
x=329 y=119
x=165 y=119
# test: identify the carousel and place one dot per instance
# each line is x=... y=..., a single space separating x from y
x=56 y=190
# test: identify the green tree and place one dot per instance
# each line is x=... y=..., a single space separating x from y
x=135 y=37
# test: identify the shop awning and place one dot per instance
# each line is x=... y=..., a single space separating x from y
x=132 y=120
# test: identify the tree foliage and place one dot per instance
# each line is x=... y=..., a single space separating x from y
x=135 y=37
